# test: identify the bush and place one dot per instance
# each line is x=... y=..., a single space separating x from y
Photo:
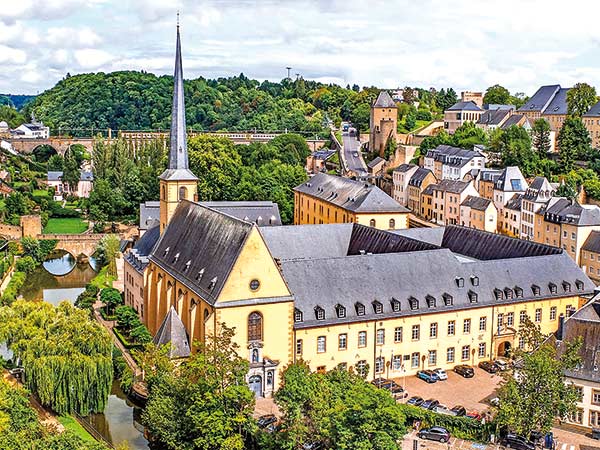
x=87 y=298
x=126 y=380
x=119 y=364
x=141 y=335
x=26 y=264
x=127 y=318
x=423 y=114
x=12 y=290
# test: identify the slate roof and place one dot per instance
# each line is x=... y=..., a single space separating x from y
x=478 y=203
x=558 y=105
x=365 y=240
x=172 y=331
x=541 y=99
x=453 y=156
x=490 y=174
x=585 y=324
x=323 y=154
x=515 y=202
x=149 y=214
x=419 y=176
x=429 y=189
x=540 y=189
x=403 y=168
x=56 y=175
x=137 y=257
x=384 y=101
x=494 y=117
x=356 y=196
x=375 y=162
x=566 y=211
x=511 y=180
x=594 y=111
x=262 y=213
x=592 y=243
x=452 y=186
x=400 y=277
x=515 y=119
x=433 y=235
x=199 y=247
x=493 y=106
x=465 y=106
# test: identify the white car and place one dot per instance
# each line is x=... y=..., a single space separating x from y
x=443 y=409
x=502 y=364
x=441 y=373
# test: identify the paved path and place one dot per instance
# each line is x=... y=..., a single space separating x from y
x=354 y=163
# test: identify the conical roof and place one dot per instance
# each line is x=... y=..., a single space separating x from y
x=172 y=331
x=384 y=101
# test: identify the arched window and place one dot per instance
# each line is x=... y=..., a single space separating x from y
x=372 y=223
x=392 y=224
x=164 y=195
x=182 y=193
x=255 y=327
x=255 y=355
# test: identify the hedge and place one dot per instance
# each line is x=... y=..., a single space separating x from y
x=128 y=345
x=12 y=289
x=459 y=427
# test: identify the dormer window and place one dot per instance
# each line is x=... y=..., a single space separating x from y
x=377 y=307
x=212 y=284
x=535 y=289
x=340 y=311
x=413 y=302
x=448 y=299
x=566 y=286
x=430 y=299
x=579 y=285
x=395 y=305
x=460 y=282
x=474 y=280
x=518 y=292
x=187 y=266
x=166 y=251
x=472 y=297
x=498 y=294
x=298 y=316
x=552 y=287
x=176 y=257
x=200 y=274
x=360 y=309
x=508 y=293
x=319 y=313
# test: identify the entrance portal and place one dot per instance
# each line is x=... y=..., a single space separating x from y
x=255 y=385
x=504 y=349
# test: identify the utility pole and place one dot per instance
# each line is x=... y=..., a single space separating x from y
x=288 y=71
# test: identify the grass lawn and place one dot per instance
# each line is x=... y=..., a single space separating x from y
x=67 y=225
x=40 y=193
x=103 y=279
x=419 y=124
x=72 y=425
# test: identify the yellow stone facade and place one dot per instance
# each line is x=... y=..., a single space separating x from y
x=171 y=193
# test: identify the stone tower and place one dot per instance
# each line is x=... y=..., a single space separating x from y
x=177 y=182
x=383 y=122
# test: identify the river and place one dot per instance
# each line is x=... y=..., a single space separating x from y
x=61 y=278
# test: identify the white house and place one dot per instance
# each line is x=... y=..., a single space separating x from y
x=35 y=130
x=61 y=188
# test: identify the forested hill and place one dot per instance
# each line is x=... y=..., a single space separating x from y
x=141 y=100
x=15 y=101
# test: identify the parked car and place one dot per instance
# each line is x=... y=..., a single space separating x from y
x=465 y=371
x=429 y=404
x=266 y=420
x=379 y=382
x=459 y=410
x=427 y=375
x=502 y=364
x=398 y=392
x=488 y=366
x=390 y=385
x=355 y=154
x=441 y=374
x=517 y=442
x=495 y=401
x=435 y=434
x=443 y=409
x=415 y=401
x=474 y=415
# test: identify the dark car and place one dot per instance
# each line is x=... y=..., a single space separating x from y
x=266 y=420
x=489 y=366
x=465 y=371
x=459 y=410
x=435 y=434
x=380 y=382
x=416 y=401
x=429 y=404
x=427 y=375
x=398 y=392
x=517 y=442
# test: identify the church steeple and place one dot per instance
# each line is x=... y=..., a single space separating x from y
x=177 y=182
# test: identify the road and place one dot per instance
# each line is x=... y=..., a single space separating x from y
x=354 y=163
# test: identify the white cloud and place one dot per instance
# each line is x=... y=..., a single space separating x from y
x=91 y=58
x=11 y=55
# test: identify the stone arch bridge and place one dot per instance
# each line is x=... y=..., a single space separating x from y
x=60 y=144
x=75 y=244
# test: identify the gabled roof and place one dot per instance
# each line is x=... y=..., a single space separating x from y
x=454 y=156
x=419 y=176
x=403 y=168
x=515 y=119
x=558 y=105
x=384 y=101
x=592 y=243
x=515 y=202
x=539 y=190
x=149 y=214
x=511 y=180
x=262 y=213
x=323 y=154
x=594 y=111
x=172 y=332
x=199 y=247
x=541 y=99
x=489 y=174
x=349 y=194
x=494 y=117
x=465 y=106
x=478 y=203
x=452 y=186
x=570 y=212
x=375 y=162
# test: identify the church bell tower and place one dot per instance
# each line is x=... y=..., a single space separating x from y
x=177 y=182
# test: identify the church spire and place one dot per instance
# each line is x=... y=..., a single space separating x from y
x=178 y=168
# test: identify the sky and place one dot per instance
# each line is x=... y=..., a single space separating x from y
x=465 y=44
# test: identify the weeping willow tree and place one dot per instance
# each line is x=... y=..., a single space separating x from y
x=67 y=357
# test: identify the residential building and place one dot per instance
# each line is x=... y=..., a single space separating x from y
x=400 y=178
x=470 y=96
x=461 y=113
x=480 y=213
x=511 y=221
x=585 y=325
x=427 y=202
x=485 y=181
x=537 y=195
x=519 y=120
x=556 y=111
x=448 y=195
x=331 y=199
x=376 y=167
x=420 y=179
x=510 y=182
x=317 y=161
x=590 y=256
x=452 y=163
x=33 y=130
x=492 y=119
x=383 y=123
x=63 y=189
x=4 y=130
x=591 y=119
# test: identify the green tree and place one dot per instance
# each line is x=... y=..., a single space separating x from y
x=497 y=94
x=574 y=142
x=127 y=318
x=56 y=163
x=411 y=119
x=106 y=202
x=292 y=148
x=540 y=133
x=514 y=147
x=71 y=171
x=205 y=404
x=111 y=299
x=580 y=98
x=467 y=136
x=11 y=116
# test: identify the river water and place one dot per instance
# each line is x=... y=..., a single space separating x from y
x=61 y=278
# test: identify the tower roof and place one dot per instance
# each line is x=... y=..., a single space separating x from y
x=178 y=168
x=172 y=331
x=384 y=101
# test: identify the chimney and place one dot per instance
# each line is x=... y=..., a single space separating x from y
x=561 y=326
